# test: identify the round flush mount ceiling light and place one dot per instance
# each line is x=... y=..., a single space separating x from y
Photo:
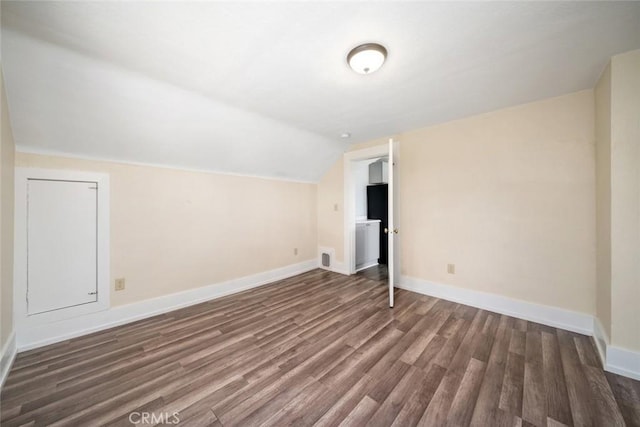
x=345 y=135
x=367 y=58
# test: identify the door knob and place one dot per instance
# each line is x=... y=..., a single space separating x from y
x=386 y=230
x=395 y=230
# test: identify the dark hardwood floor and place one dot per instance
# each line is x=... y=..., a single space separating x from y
x=323 y=349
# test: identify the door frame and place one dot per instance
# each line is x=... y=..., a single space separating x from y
x=350 y=157
x=23 y=321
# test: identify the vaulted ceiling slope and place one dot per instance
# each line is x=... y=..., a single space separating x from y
x=263 y=88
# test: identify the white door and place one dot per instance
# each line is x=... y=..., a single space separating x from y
x=393 y=261
x=61 y=244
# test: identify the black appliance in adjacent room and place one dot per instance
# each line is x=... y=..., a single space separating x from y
x=377 y=208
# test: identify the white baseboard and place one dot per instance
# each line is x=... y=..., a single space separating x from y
x=41 y=335
x=339 y=267
x=7 y=356
x=615 y=359
x=623 y=362
x=336 y=266
x=544 y=314
x=601 y=338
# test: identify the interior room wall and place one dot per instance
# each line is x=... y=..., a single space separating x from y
x=603 y=198
x=174 y=230
x=625 y=200
x=7 y=149
x=361 y=180
x=508 y=197
x=330 y=210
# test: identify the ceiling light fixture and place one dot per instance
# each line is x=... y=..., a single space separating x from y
x=345 y=135
x=367 y=58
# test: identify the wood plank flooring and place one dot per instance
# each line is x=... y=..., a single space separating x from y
x=322 y=349
x=378 y=272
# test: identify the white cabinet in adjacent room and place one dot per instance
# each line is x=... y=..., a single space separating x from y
x=367 y=243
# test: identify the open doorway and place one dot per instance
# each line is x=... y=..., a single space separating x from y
x=370 y=185
x=370 y=239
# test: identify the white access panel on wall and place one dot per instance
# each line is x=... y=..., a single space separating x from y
x=61 y=250
x=61 y=244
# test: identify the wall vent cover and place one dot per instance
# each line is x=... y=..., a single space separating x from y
x=325 y=257
x=326 y=260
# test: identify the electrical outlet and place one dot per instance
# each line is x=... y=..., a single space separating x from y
x=451 y=268
x=120 y=284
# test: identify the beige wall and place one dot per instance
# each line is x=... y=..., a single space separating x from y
x=7 y=149
x=508 y=197
x=603 y=198
x=330 y=204
x=625 y=200
x=173 y=230
x=330 y=210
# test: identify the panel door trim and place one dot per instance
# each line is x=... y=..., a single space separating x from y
x=22 y=176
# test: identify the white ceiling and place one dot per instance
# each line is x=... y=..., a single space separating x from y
x=263 y=88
